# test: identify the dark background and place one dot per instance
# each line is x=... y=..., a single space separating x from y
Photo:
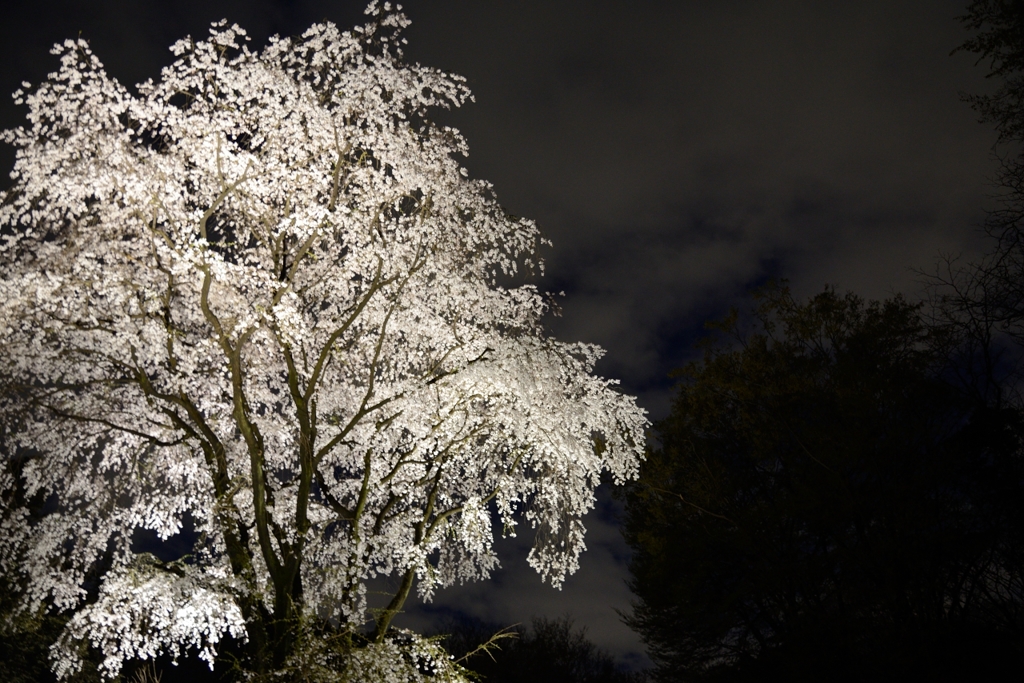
x=677 y=153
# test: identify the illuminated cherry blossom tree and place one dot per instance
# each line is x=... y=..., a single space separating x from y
x=261 y=297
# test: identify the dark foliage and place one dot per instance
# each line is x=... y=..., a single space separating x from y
x=24 y=646
x=551 y=651
x=823 y=506
x=997 y=28
x=983 y=302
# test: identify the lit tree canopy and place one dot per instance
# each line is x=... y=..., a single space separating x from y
x=262 y=295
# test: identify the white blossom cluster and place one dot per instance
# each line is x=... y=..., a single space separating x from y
x=406 y=658
x=262 y=295
x=145 y=612
x=401 y=657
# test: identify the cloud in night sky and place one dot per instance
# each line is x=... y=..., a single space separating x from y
x=675 y=152
x=678 y=152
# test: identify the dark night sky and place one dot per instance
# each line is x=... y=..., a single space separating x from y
x=675 y=152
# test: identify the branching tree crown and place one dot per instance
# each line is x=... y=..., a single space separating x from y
x=260 y=297
x=822 y=506
x=997 y=28
x=981 y=301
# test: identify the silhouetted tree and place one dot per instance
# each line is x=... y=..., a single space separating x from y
x=552 y=650
x=982 y=302
x=997 y=28
x=823 y=506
